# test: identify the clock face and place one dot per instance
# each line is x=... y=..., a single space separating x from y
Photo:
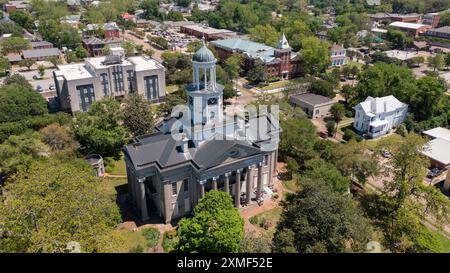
x=212 y=101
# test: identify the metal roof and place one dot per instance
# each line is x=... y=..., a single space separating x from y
x=438 y=149
x=39 y=53
x=311 y=99
x=438 y=132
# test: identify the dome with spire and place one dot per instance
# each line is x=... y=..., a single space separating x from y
x=204 y=55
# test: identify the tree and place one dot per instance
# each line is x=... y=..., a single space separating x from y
x=19 y=80
x=28 y=63
x=299 y=136
x=81 y=52
x=138 y=117
x=18 y=152
x=41 y=70
x=331 y=127
x=19 y=102
x=437 y=61
x=215 y=228
x=99 y=129
x=447 y=60
x=61 y=35
x=129 y=48
x=415 y=61
x=59 y=139
x=54 y=203
x=265 y=34
x=14 y=45
x=23 y=19
x=320 y=171
x=233 y=66
x=398 y=39
x=321 y=87
x=5 y=65
x=258 y=73
x=252 y=243
x=337 y=112
x=318 y=219
x=151 y=9
x=425 y=103
x=183 y=3
x=407 y=199
x=348 y=92
x=55 y=60
x=315 y=55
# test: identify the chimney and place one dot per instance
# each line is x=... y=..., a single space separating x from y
x=184 y=143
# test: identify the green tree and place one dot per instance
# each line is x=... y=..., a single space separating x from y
x=258 y=73
x=19 y=102
x=315 y=55
x=41 y=70
x=19 y=80
x=320 y=171
x=318 y=219
x=299 y=136
x=5 y=65
x=23 y=19
x=233 y=66
x=348 y=92
x=59 y=139
x=99 y=129
x=407 y=200
x=138 y=116
x=265 y=34
x=337 y=112
x=55 y=60
x=14 y=45
x=437 y=61
x=215 y=228
x=54 y=203
x=331 y=127
x=425 y=103
x=252 y=243
x=321 y=87
x=397 y=39
x=129 y=48
x=28 y=63
x=81 y=52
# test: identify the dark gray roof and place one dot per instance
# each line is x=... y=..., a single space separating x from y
x=445 y=29
x=310 y=98
x=163 y=150
x=93 y=41
x=38 y=53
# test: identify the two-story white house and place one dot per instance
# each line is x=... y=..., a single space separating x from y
x=338 y=56
x=375 y=117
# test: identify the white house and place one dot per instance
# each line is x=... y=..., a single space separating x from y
x=375 y=117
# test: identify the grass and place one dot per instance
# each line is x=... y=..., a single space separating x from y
x=280 y=84
x=130 y=240
x=271 y=217
x=171 y=88
x=444 y=241
x=152 y=236
x=169 y=241
x=291 y=185
x=114 y=186
x=116 y=167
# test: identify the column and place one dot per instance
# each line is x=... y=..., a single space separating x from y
x=142 y=200
x=260 y=182
x=447 y=181
x=214 y=183
x=227 y=183
x=237 y=188
x=249 y=184
x=202 y=188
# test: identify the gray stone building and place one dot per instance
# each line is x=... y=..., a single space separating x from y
x=314 y=105
x=201 y=148
x=78 y=85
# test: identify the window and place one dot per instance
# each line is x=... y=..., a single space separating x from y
x=185 y=185
x=86 y=96
x=130 y=79
x=174 y=188
x=118 y=78
x=105 y=83
x=151 y=87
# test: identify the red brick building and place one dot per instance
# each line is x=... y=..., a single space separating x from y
x=280 y=61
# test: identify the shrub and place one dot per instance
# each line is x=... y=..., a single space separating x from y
x=169 y=240
x=401 y=130
x=152 y=236
x=253 y=220
x=136 y=249
x=263 y=222
x=351 y=135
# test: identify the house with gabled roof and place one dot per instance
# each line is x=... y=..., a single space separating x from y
x=375 y=117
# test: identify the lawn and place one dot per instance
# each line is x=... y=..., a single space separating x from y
x=130 y=240
x=290 y=185
x=280 y=84
x=171 y=88
x=445 y=242
x=116 y=167
x=114 y=186
x=267 y=221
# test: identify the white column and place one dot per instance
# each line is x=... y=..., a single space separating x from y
x=237 y=197
x=214 y=183
x=202 y=188
x=260 y=182
x=249 y=184
x=142 y=199
x=227 y=183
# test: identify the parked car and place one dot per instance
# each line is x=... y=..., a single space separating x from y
x=434 y=172
x=238 y=92
x=39 y=88
x=51 y=86
x=323 y=134
x=386 y=154
x=37 y=77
